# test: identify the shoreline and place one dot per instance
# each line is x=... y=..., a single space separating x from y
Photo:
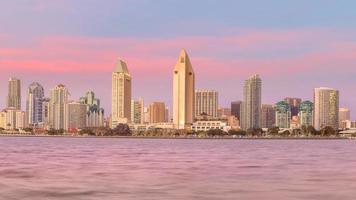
x=182 y=138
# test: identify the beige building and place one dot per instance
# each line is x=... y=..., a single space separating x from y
x=3 y=119
x=208 y=125
x=137 y=111
x=121 y=94
x=251 y=106
x=183 y=92
x=344 y=115
x=206 y=102
x=326 y=108
x=224 y=112
x=14 y=94
x=58 y=99
x=75 y=116
x=157 y=112
x=11 y=119
x=146 y=115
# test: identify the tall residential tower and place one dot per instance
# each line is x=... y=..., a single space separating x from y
x=58 y=99
x=326 y=108
x=251 y=106
x=14 y=94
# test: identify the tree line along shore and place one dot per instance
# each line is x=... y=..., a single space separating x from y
x=123 y=130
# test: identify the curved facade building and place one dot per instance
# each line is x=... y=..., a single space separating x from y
x=306 y=113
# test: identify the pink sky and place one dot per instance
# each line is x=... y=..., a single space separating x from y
x=291 y=63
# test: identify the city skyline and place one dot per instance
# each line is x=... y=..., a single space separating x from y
x=224 y=47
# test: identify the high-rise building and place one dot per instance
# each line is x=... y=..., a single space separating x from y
x=268 y=116
x=14 y=94
x=58 y=99
x=206 y=103
x=137 y=111
x=294 y=104
x=75 y=116
x=283 y=115
x=236 y=109
x=121 y=94
x=35 y=95
x=95 y=114
x=306 y=113
x=251 y=106
x=344 y=115
x=326 y=108
x=183 y=92
x=157 y=112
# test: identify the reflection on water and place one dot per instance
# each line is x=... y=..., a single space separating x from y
x=113 y=168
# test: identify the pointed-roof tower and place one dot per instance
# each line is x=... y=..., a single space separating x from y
x=121 y=67
x=183 y=92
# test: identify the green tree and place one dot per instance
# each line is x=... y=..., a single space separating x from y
x=328 y=131
x=122 y=130
x=233 y=132
x=254 y=132
x=87 y=131
x=216 y=132
x=273 y=130
x=311 y=131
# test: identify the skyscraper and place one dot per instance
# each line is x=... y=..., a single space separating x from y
x=236 y=109
x=95 y=114
x=252 y=103
x=137 y=111
x=157 y=112
x=268 y=116
x=183 y=92
x=35 y=95
x=326 y=108
x=121 y=94
x=58 y=99
x=206 y=101
x=14 y=94
x=306 y=113
x=293 y=104
x=283 y=115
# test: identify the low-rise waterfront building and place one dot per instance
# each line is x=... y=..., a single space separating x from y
x=12 y=119
x=208 y=125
